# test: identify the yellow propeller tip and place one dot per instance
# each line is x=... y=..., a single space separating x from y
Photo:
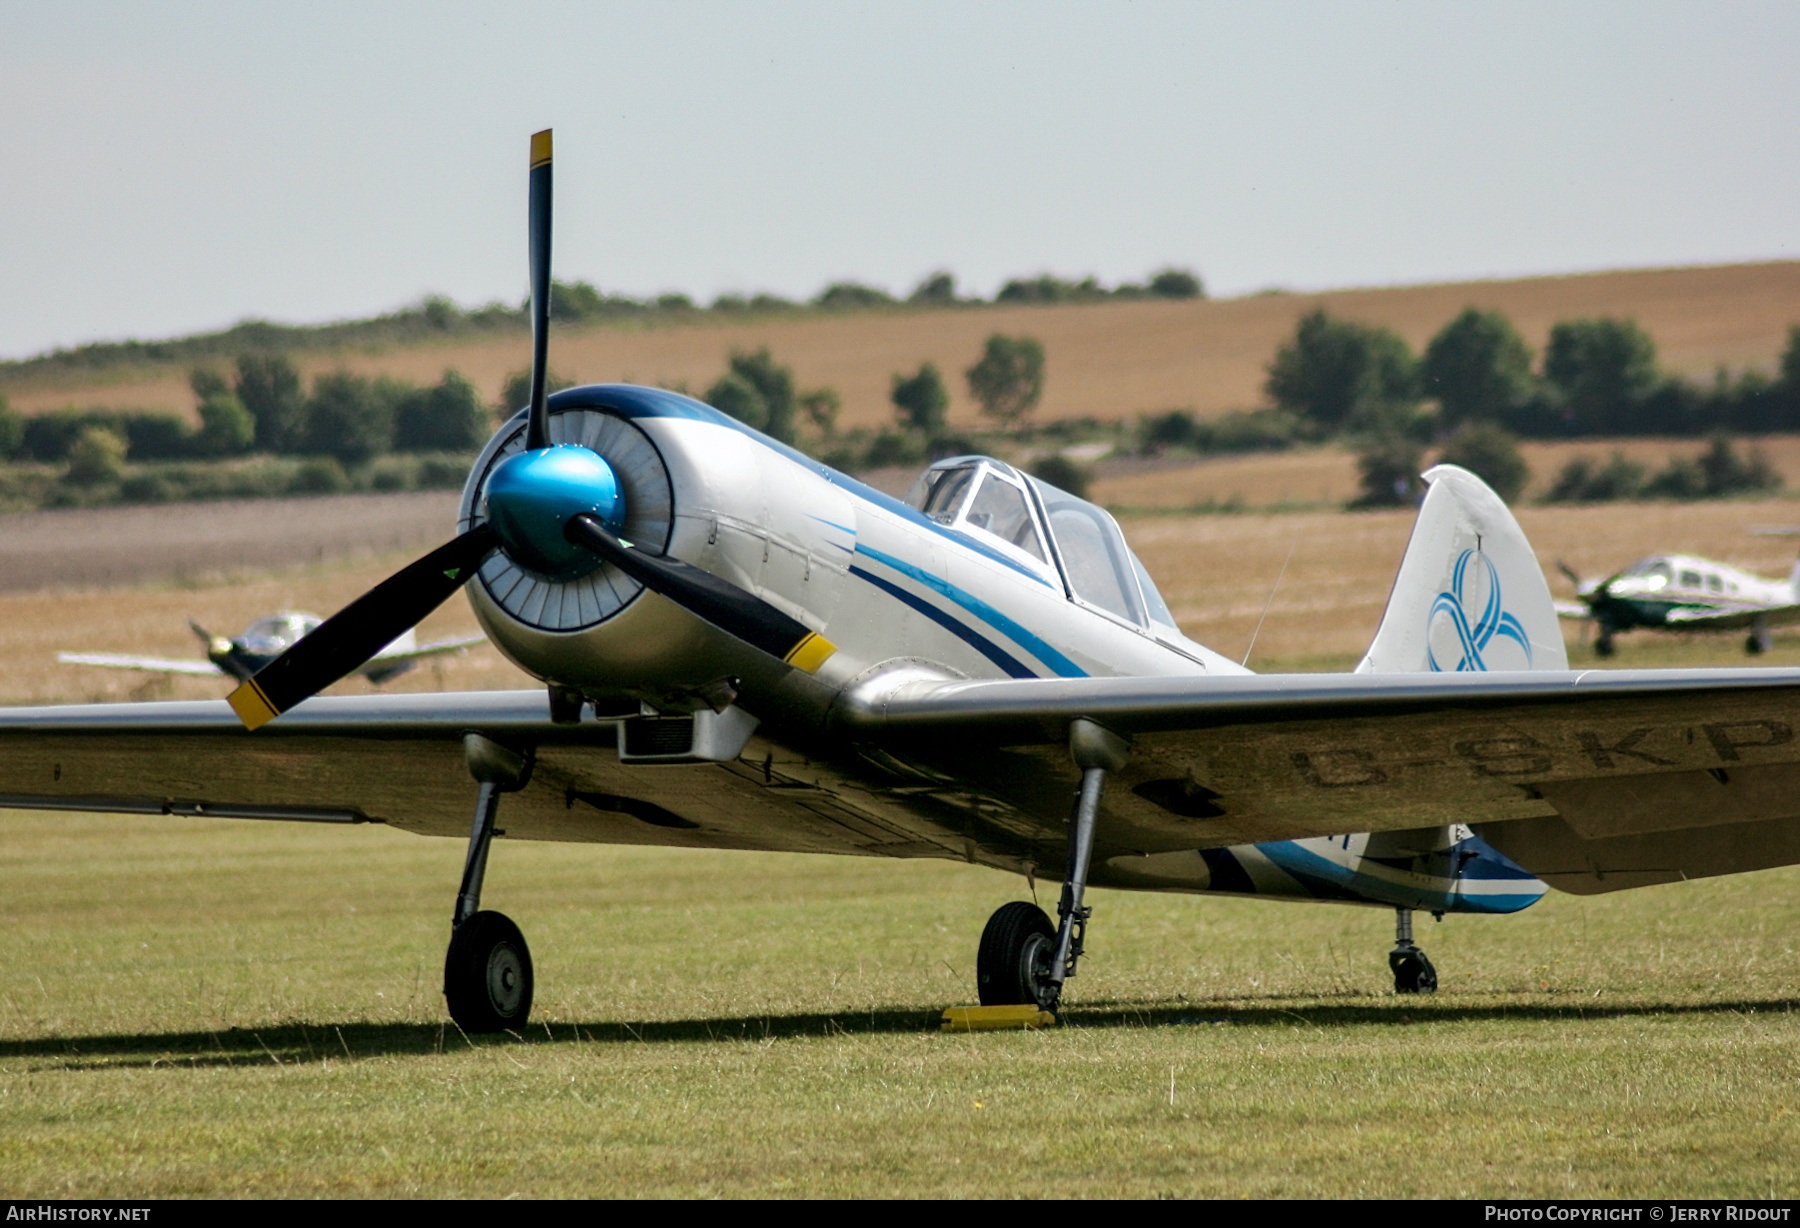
x=251 y=705
x=540 y=149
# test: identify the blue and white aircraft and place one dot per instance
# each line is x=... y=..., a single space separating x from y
x=742 y=648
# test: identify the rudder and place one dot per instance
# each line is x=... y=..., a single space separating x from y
x=1470 y=595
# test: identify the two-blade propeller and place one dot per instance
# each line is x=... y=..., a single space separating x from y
x=553 y=509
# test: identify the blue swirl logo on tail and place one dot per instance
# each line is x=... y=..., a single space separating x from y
x=1473 y=633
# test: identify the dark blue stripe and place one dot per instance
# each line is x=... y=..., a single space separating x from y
x=986 y=647
x=1058 y=663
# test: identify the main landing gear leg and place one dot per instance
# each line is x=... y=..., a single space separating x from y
x=1022 y=960
x=487 y=972
x=1413 y=973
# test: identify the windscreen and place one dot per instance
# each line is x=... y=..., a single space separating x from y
x=1093 y=551
x=999 y=508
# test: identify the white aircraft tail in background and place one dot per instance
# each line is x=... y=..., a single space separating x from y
x=1470 y=596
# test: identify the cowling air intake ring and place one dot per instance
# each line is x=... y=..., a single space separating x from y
x=548 y=603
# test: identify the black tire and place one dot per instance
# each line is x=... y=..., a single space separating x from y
x=1016 y=948
x=1603 y=646
x=1413 y=973
x=1753 y=645
x=487 y=975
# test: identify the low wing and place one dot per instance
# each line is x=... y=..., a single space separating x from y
x=1733 y=618
x=154 y=665
x=1572 y=609
x=398 y=759
x=1593 y=779
x=433 y=649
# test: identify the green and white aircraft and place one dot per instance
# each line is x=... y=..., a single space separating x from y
x=1683 y=592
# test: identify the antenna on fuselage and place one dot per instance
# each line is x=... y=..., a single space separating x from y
x=1270 y=602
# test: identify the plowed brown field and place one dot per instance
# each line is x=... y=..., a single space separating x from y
x=1108 y=360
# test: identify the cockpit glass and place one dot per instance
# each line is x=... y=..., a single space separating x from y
x=1153 y=602
x=940 y=492
x=999 y=508
x=1093 y=551
x=277 y=631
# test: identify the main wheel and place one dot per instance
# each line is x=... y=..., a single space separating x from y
x=1603 y=645
x=1413 y=973
x=1016 y=949
x=1753 y=645
x=487 y=975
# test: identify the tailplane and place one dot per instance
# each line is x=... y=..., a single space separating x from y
x=1470 y=595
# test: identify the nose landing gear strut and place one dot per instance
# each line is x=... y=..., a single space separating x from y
x=1022 y=960
x=487 y=972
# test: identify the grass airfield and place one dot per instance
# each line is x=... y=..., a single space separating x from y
x=211 y=1009
x=196 y=1007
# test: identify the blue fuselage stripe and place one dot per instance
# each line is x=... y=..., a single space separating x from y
x=986 y=647
x=1059 y=664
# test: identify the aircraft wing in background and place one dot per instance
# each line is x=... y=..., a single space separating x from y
x=433 y=649
x=154 y=665
x=1735 y=618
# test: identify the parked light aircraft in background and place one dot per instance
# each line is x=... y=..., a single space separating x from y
x=745 y=649
x=263 y=641
x=1681 y=592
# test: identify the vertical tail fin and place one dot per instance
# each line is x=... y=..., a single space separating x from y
x=1470 y=595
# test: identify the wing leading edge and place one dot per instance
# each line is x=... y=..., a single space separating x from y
x=1593 y=779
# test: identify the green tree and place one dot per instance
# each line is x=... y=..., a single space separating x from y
x=1581 y=481
x=269 y=387
x=1062 y=473
x=1602 y=371
x=12 y=430
x=1389 y=470
x=936 y=290
x=1477 y=367
x=921 y=400
x=350 y=417
x=1009 y=380
x=732 y=394
x=515 y=394
x=207 y=382
x=1491 y=454
x=227 y=427
x=844 y=295
x=447 y=418
x=97 y=456
x=821 y=407
x=1341 y=375
x=774 y=385
x=1176 y=283
x=573 y=302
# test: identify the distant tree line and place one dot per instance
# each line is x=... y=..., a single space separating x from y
x=580 y=302
x=1007 y=381
x=1478 y=387
x=264 y=408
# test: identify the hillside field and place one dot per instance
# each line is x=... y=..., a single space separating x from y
x=1109 y=361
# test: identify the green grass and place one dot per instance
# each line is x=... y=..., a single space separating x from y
x=199 y=1008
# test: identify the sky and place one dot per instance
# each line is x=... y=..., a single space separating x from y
x=172 y=167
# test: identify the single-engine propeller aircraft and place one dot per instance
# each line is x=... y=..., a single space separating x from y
x=1681 y=592
x=744 y=649
x=263 y=641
